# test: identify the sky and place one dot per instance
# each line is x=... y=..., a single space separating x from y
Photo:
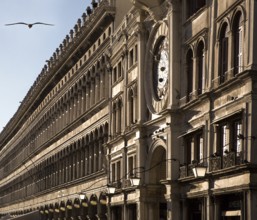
x=24 y=51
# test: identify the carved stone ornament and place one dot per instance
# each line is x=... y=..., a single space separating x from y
x=157 y=9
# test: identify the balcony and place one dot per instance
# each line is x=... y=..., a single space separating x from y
x=186 y=171
x=227 y=160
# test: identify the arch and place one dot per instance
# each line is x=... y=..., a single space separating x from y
x=84 y=207
x=69 y=208
x=103 y=205
x=157 y=161
x=93 y=200
x=103 y=59
x=98 y=65
x=51 y=211
x=84 y=202
x=156 y=173
x=131 y=100
x=109 y=31
x=92 y=212
x=189 y=73
x=77 y=211
x=239 y=10
x=224 y=23
x=96 y=135
x=223 y=52
x=101 y=131
x=56 y=210
x=200 y=55
x=91 y=137
x=237 y=42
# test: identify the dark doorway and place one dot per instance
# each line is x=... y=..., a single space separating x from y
x=163 y=211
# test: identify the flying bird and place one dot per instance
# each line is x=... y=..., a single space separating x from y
x=29 y=25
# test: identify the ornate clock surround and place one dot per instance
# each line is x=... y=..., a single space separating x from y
x=157 y=68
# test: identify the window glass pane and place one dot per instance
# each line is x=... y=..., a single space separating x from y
x=113 y=172
x=188 y=151
x=224 y=139
x=130 y=166
x=238 y=142
x=118 y=171
x=200 y=148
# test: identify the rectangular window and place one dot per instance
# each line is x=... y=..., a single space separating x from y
x=229 y=133
x=119 y=70
x=118 y=174
x=131 y=58
x=224 y=139
x=114 y=74
x=193 y=6
x=236 y=141
x=116 y=171
x=189 y=151
x=199 y=147
x=130 y=166
x=113 y=171
x=136 y=53
x=195 y=148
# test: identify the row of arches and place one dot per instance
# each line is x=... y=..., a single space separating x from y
x=118 y=116
x=76 y=161
x=91 y=207
x=229 y=54
x=195 y=70
x=88 y=92
x=230 y=44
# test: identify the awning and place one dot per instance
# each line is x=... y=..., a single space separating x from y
x=29 y=216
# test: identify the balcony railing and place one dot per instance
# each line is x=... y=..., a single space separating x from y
x=227 y=160
x=186 y=171
x=215 y=163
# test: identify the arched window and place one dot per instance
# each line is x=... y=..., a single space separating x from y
x=237 y=43
x=223 y=53
x=189 y=72
x=131 y=106
x=114 y=110
x=200 y=68
x=119 y=116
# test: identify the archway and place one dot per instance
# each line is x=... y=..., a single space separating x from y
x=102 y=206
x=156 y=188
x=92 y=211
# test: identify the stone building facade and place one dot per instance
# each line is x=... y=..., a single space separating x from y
x=144 y=88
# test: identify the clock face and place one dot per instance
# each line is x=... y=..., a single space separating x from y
x=161 y=68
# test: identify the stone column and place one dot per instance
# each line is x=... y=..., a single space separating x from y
x=139 y=96
x=174 y=25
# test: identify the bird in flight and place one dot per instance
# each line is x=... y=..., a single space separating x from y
x=29 y=25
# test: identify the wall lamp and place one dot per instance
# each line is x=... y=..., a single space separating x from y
x=110 y=189
x=199 y=171
x=134 y=180
x=82 y=196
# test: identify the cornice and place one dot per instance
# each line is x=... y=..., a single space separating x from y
x=69 y=51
